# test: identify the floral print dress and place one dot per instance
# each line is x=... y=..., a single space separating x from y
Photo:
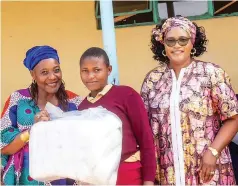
x=185 y=115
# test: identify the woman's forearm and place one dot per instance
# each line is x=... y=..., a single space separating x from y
x=16 y=144
x=226 y=133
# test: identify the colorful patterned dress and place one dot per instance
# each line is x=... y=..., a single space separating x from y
x=17 y=116
x=185 y=116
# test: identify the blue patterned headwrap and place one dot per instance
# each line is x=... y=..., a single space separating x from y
x=38 y=53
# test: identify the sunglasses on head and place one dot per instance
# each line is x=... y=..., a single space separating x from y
x=182 y=41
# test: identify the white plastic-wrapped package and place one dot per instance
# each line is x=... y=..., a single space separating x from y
x=83 y=145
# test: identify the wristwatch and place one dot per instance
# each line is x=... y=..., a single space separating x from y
x=214 y=152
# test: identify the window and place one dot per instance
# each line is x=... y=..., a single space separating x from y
x=197 y=9
x=185 y=8
x=225 y=7
x=129 y=13
x=134 y=13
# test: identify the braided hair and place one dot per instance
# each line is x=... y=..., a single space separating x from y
x=61 y=95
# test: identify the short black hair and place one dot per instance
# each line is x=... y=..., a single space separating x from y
x=95 y=52
x=199 y=44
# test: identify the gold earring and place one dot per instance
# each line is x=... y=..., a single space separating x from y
x=193 y=51
x=163 y=53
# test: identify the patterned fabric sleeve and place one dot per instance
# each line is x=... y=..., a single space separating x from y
x=9 y=128
x=145 y=89
x=74 y=98
x=223 y=96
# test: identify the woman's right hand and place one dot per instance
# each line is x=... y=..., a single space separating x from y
x=42 y=116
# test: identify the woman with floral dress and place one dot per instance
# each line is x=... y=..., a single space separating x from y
x=187 y=100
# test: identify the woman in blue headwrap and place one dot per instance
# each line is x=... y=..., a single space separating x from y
x=25 y=107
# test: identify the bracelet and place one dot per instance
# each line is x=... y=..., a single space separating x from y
x=24 y=136
x=214 y=152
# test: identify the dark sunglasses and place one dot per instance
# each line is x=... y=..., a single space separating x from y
x=182 y=41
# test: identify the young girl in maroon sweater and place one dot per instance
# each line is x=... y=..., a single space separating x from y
x=138 y=164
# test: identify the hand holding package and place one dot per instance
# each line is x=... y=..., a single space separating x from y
x=81 y=145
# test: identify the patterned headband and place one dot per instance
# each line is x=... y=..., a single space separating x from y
x=172 y=22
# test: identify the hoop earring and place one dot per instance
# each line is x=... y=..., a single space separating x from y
x=62 y=81
x=163 y=53
x=193 y=51
x=34 y=81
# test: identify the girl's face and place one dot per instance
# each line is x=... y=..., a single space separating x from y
x=94 y=73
